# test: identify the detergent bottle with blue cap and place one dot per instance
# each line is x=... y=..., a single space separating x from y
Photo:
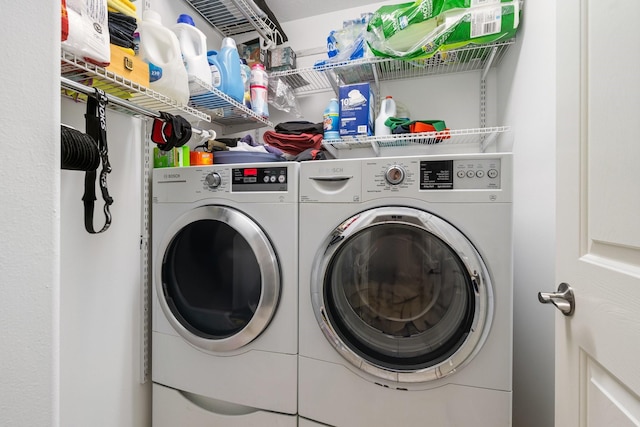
x=193 y=46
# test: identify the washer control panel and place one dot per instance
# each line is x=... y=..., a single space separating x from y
x=460 y=174
x=259 y=179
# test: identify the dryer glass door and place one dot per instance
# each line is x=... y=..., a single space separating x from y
x=405 y=295
x=219 y=278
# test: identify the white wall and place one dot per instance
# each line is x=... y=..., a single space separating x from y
x=101 y=304
x=527 y=103
x=29 y=213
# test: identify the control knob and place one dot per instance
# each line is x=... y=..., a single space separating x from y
x=213 y=180
x=394 y=175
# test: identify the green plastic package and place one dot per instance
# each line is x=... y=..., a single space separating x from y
x=419 y=29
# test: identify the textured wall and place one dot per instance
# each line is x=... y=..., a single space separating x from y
x=29 y=213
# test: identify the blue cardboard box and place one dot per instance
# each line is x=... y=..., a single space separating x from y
x=356 y=110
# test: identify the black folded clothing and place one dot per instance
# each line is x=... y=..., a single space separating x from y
x=121 y=29
x=299 y=127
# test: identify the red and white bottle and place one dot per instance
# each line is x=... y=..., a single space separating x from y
x=258 y=86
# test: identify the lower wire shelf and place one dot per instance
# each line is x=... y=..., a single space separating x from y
x=482 y=138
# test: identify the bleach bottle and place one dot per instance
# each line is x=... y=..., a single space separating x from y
x=159 y=47
x=193 y=46
x=330 y=120
x=387 y=109
x=229 y=59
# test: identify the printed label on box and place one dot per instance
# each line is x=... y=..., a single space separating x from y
x=356 y=109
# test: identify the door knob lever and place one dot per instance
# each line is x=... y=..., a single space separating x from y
x=563 y=299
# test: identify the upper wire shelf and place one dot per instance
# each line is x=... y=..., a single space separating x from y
x=211 y=106
x=233 y=17
x=309 y=80
x=89 y=74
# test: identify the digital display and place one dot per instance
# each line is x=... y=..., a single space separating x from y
x=436 y=175
x=251 y=172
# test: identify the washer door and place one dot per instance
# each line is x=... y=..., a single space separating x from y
x=402 y=294
x=219 y=280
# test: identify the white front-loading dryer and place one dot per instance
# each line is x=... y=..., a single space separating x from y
x=224 y=312
x=406 y=291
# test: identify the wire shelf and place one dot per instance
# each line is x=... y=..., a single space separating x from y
x=232 y=17
x=89 y=74
x=481 y=137
x=315 y=79
x=223 y=109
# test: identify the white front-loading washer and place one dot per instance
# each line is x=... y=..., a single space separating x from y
x=224 y=310
x=406 y=291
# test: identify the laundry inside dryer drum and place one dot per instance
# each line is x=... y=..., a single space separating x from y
x=399 y=297
x=212 y=279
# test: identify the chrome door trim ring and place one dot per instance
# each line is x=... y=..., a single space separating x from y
x=471 y=259
x=269 y=271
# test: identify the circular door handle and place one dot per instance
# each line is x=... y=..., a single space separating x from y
x=563 y=299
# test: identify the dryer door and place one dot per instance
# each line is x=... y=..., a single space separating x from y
x=219 y=279
x=402 y=294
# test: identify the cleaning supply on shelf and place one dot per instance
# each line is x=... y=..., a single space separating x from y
x=160 y=48
x=229 y=59
x=357 y=110
x=245 y=71
x=331 y=120
x=259 y=90
x=193 y=46
x=215 y=70
x=387 y=109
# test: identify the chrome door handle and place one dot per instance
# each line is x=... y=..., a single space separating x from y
x=563 y=299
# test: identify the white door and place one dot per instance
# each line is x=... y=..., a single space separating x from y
x=598 y=223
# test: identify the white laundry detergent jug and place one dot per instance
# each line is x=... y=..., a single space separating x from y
x=159 y=47
x=193 y=46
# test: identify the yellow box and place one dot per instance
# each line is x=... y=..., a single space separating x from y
x=127 y=65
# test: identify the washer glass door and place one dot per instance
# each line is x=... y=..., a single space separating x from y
x=402 y=294
x=219 y=279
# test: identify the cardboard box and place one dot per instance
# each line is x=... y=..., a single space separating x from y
x=252 y=52
x=280 y=59
x=357 y=110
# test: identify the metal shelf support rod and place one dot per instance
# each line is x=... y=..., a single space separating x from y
x=79 y=87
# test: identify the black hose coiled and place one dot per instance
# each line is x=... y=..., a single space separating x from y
x=79 y=151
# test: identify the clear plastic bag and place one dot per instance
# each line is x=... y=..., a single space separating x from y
x=420 y=29
x=282 y=97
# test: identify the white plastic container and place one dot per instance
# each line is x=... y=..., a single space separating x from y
x=387 y=109
x=159 y=47
x=259 y=85
x=193 y=46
